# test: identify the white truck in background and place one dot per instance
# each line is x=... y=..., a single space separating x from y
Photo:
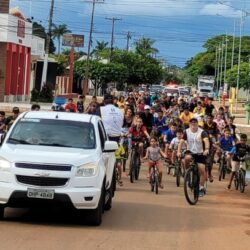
x=205 y=86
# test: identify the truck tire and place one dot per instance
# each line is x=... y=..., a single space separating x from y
x=95 y=215
x=1 y=212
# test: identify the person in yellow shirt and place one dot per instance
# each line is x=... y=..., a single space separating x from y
x=186 y=116
x=199 y=114
x=200 y=108
x=119 y=153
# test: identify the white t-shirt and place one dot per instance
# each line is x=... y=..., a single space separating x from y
x=112 y=118
x=195 y=140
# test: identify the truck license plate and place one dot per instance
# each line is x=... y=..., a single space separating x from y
x=40 y=193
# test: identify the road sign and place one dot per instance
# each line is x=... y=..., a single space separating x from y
x=73 y=40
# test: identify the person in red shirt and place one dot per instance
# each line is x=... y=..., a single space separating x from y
x=138 y=134
x=70 y=106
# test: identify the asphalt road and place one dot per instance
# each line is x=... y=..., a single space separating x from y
x=139 y=219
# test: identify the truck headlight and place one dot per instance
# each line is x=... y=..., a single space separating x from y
x=4 y=165
x=86 y=170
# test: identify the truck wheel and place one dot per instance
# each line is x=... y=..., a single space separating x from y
x=108 y=199
x=113 y=184
x=1 y=212
x=95 y=215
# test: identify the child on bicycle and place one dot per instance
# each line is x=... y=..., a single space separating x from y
x=175 y=143
x=239 y=151
x=119 y=153
x=154 y=154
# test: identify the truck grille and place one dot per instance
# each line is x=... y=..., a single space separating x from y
x=43 y=166
x=42 y=181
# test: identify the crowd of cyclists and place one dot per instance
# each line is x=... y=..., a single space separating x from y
x=163 y=126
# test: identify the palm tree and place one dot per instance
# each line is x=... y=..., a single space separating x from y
x=144 y=47
x=58 y=32
x=100 y=47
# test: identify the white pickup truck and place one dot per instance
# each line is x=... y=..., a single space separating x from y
x=51 y=157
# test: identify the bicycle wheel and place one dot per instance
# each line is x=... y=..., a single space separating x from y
x=137 y=166
x=152 y=182
x=236 y=181
x=132 y=167
x=178 y=174
x=241 y=181
x=156 y=183
x=191 y=186
x=224 y=171
x=125 y=160
x=221 y=169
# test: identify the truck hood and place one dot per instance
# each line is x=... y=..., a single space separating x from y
x=46 y=154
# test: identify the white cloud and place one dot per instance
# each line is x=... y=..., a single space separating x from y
x=220 y=9
x=150 y=7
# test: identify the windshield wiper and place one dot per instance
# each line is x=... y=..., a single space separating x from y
x=18 y=141
x=54 y=145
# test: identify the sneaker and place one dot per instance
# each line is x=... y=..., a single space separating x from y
x=201 y=192
x=229 y=187
x=211 y=178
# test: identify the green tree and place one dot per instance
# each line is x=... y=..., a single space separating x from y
x=39 y=30
x=58 y=32
x=101 y=50
x=144 y=47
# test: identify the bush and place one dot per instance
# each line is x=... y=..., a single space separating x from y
x=45 y=95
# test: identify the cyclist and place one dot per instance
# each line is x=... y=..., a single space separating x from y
x=80 y=103
x=239 y=151
x=70 y=106
x=234 y=130
x=186 y=116
x=226 y=144
x=154 y=154
x=112 y=118
x=220 y=123
x=138 y=132
x=168 y=136
x=147 y=118
x=196 y=138
x=211 y=128
x=119 y=153
x=175 y=143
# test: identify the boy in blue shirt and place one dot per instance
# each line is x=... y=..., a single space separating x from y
x=226 y=144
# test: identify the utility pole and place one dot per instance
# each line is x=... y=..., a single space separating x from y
x=225 y=65
x=232 y=62
x=239 y=58
x=45 y=63
x=218 y=69
x=85 y=85
x=113 y=19
x=129 y=36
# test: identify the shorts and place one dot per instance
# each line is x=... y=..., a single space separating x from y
x=236 y=165
x=198 y=158
x=151 y=163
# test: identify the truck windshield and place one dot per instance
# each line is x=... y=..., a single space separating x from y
x=206 y=84
x=57 y=133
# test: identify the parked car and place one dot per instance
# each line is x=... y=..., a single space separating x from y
x=50 y=157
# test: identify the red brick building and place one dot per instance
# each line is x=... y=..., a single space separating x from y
x=15 y=55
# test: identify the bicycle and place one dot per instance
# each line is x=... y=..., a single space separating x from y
x=222 y=166
x=192 y=182
x=135 y=163
x=239 y=177
x=124 y=160
x=178 y=171
x=154 y=178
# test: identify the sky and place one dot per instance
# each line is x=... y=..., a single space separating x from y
x=179 y=27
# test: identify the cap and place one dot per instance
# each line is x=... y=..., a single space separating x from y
x=146 y=107
x=193 y=120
